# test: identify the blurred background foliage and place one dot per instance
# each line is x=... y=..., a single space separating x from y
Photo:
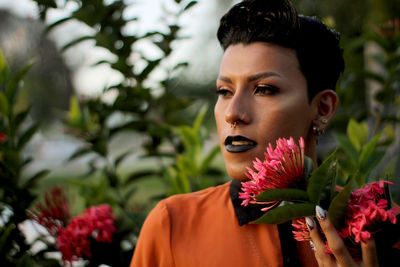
x=150 y=132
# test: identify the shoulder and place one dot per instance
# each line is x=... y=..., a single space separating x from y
x=211 y=195
x=189 y=205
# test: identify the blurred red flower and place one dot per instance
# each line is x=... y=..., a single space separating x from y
x=96 y=223
x=54 y=213
x=3 y=137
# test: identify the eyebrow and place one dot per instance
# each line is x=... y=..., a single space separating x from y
x=252 y=77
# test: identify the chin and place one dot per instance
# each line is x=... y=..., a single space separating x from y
x=236 y=174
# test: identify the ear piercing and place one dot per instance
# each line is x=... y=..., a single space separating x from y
x=317 y=130
x=233 y=125
x=324 y=120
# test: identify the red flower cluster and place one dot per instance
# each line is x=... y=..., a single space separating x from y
x=282 y=167
x=368 y=208
x=54 y=213
x=96 y=223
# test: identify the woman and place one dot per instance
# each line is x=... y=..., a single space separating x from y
x=277 y=79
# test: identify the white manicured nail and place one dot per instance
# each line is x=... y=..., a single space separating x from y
x=312 y=246
x=321 y=213
x=310 y=223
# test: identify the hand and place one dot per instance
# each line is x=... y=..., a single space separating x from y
x=341 y=256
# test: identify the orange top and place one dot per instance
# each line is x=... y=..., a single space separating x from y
x=201 y=229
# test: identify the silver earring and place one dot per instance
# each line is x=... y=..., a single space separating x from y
x=233 y=125
x=324 y=120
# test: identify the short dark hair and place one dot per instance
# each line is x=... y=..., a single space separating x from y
x=276 y=21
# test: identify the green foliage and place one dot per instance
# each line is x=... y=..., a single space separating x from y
x=337 y=208
x=285 y=213
x=290 y=194
x=322 y=178
x=387 y=37
x=193 y=165
x=16 y=194
x=358 y=155
x=154 y=115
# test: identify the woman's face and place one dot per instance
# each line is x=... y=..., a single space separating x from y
x=261 y=88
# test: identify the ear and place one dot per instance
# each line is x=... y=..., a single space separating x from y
x=326 y=103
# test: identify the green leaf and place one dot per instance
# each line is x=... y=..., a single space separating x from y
x=13 y=85
x=20 y=118
x=308 y=167
x=129 y=194
x=368 y=152
x=80 y=152
x=209 y=158
x=288 y=194
x=338 y=206
x=348 y=147
x=121 y=158
x=199 y=118
x=187 y=165
x=4 y=70
x=140 y=174
x=328 y=192
x=188 y=136
x=4 y=108
x=374 y=76
x=5 y=232
x=372 y=161
x=27 y=135
x=319 y=179
x=286 y=213
x=58 y=22
x=76 y=41
x=75 y=113
x=358 y=133
x=33 y=180
x=388 y=195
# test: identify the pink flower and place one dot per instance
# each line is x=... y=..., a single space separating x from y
x=54 y=213
x=368 y=208
x=301 y=232
x=96 y=223
x=282 y=168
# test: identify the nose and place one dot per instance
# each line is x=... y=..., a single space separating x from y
x=238 y=110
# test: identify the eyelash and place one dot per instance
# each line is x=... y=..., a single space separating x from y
x=222 y=92
x=264 y=89
x=259 y=90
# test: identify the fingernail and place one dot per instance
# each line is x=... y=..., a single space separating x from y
x=321 y=214
x=312 y=246
x=310 y=223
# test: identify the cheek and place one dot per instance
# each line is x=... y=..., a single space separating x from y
x=289 y=118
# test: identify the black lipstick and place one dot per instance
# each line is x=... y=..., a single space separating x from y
x=238 y=144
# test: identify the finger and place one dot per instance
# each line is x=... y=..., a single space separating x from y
x=318 y=245
x=335 y=242
x=369 y=255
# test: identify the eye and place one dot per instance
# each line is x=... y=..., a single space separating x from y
x=221 y=91
x=264 y=89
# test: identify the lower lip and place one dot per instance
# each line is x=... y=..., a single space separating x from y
x=238 y=149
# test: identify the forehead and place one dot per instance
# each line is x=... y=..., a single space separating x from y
x=246 y=59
